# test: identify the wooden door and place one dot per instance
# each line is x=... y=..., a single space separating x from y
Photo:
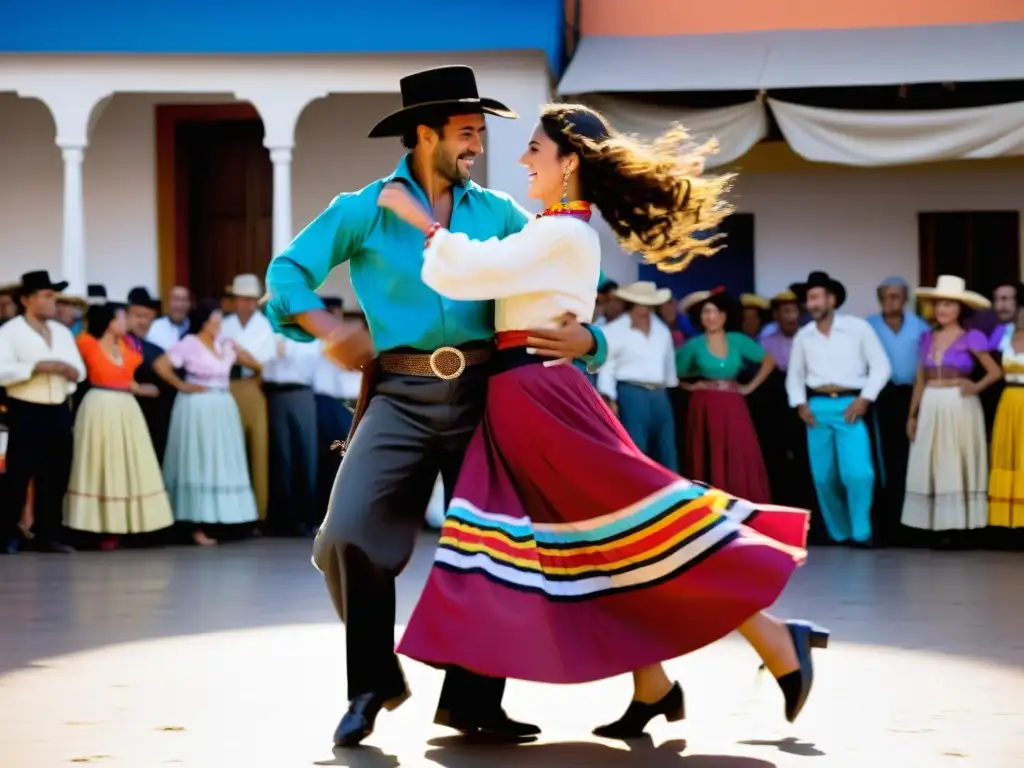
x=983 y=247
x=229 y=186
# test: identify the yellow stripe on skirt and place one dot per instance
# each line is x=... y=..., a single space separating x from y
x=947 y=472
x=116 y=486
x=1006 y=482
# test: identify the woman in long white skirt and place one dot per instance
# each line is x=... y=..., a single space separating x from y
x=205 y=466
x=947 y=473
x=115 y=487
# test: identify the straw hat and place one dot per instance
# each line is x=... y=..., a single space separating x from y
x=953 y=288
x=245 y=287
x=695 y=300
x=754 y=301
x=70 y=298
x=644 y=293
x=783 y=297
x=693 y=306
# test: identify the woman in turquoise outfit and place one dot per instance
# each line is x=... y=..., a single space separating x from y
x=722 y=448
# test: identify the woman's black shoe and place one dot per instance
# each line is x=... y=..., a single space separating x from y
x=796 y=686
x=631 y=725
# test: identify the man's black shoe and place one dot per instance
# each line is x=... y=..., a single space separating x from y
x=362 y=713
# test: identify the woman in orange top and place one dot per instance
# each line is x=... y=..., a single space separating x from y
x=116 y=485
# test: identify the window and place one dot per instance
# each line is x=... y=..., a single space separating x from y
x=983 y=247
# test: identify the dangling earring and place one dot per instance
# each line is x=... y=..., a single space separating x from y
x=565 y=187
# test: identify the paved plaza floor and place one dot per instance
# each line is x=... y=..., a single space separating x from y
x=232 y=658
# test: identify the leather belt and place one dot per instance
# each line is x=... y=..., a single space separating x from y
x=944 y=373
x=644 y=385
x=445 y=363
x=833 y=392
x=717 y=385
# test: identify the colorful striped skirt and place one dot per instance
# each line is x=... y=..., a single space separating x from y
x=568 y=556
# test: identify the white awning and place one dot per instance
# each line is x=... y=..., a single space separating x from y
x=797 y=59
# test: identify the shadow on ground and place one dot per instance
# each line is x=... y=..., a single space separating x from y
x=456 y=752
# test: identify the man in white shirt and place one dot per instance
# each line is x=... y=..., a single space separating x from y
x=336 y=391
x=250 y=330
x=291 y=411
x=640 y=368
x=836 y=371
x=168 y=330
x=40 y=367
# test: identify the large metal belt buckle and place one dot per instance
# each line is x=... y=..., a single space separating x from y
x=447 y=363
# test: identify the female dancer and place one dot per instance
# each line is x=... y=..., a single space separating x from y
x=947 y=472
x=116 y=487
x=567 y=555
x=205 y=466
x=722 y=446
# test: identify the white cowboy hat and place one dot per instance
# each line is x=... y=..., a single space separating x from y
x=644 y=293
x=246 y=287
x=953 y=288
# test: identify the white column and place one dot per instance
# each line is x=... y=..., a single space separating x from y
x=75 y=105
x=73 y=250
x=282 y=233
x=280 y=104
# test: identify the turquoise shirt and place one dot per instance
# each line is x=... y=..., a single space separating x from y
x=385 y=257
x=695 y=359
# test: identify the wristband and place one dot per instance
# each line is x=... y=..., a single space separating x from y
x=433 y=230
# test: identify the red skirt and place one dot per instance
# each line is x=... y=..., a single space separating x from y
x=722 y=448
x=568 y=556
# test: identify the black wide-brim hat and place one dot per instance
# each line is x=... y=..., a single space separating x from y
x=433 y=89
x=820 y=280
x=32 y=282
x=140 y=297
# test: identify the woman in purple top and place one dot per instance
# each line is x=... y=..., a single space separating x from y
x=205 y=467
x=947 y=473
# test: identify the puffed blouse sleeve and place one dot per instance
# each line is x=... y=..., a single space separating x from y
x=530 y=260
x=976 y=341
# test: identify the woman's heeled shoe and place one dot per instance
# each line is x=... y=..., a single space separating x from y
x=631 y=725
x=796 y=685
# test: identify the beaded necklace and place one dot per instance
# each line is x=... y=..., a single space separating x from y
x=579 y=209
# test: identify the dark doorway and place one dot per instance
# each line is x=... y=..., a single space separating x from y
x=732 y=267
x=225 y=174
x=983 y=247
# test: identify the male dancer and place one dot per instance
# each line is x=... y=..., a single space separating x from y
x=836 y=370
x=427 y=383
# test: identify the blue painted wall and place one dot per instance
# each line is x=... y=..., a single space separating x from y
x=266 y=27
x=732 y=267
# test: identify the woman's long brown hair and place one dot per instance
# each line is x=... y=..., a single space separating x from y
x=653 y=195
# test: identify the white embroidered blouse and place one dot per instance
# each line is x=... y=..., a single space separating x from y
x=535 y=276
